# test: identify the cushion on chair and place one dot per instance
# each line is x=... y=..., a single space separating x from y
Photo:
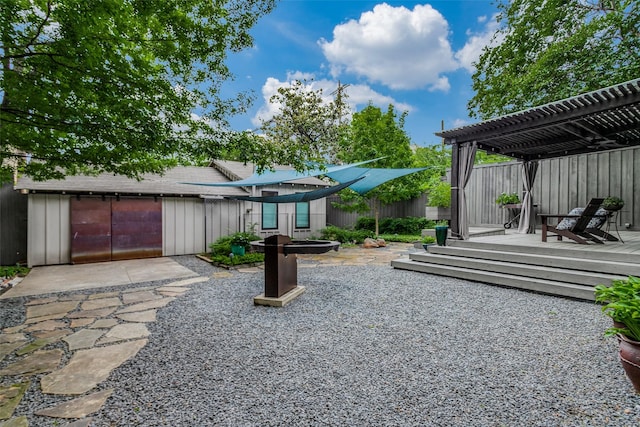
x=597 y=221
x=569 y=223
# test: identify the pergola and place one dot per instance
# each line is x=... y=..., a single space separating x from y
x=604 y=119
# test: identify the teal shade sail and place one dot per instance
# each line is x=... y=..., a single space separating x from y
x=296 y=197
x=371 y=177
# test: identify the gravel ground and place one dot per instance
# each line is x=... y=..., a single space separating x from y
x=371 y=346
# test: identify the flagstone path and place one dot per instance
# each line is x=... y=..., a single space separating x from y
x=100 y=331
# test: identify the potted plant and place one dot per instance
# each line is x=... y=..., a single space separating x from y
x=508 y=199
x=240 y=242
x=612 y=203
x=442 y=229
x=622 y=304
x=428 y=241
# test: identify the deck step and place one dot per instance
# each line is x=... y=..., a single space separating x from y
x=566 y=262
x=571 y=290
x=573 y=251
x=497 y=265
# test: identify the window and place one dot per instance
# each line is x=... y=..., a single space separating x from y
x=302 y=215
x=269 y=212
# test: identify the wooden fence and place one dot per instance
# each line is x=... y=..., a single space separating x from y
x=339 y=218
x=561 y=184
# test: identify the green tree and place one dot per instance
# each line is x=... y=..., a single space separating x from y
x=307 y=127
x=374 y=134
x=119 y=86
x=546 y=50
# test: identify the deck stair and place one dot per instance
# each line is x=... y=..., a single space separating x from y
x=569 y=273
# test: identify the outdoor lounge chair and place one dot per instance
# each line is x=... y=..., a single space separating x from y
x=581 y=225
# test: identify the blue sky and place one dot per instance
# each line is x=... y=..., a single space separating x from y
x=415 y=55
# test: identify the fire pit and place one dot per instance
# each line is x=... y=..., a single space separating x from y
x=281 y=267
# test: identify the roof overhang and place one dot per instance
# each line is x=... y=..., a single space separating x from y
x=601 y=120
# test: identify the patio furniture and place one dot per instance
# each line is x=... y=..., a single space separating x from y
x=581 y=225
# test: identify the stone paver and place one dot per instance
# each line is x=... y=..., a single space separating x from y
x=36 y=363
x=179 y=289
x=48 y=325
x=39 y=301
x=100 y=312
x=95 y=304
x=56 y=333
x=36 y=345
x=139 y=316
x=140 y=296
x=104 y=324
x=10 y=397
x=82 y=321
x=7 y=338
x=146 y=305
x=84 y=338
x=76 y=379
x=9 y=348
x=101 y=295
x=52 y=308
x=125 y=331
x=21 y=421
x=78 y=408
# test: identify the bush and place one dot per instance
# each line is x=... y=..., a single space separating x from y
x=249 y=258
x=439 y=194
x=366 y=223
x=222 y=246
x=345 y=236
x=402 y=238
x=13 y=271
x=407 y=225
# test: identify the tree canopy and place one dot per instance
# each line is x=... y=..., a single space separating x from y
x=308 y=126
x=374 y=134
x=120 y=86
x=547 y=50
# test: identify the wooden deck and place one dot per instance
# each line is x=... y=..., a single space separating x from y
x=631 y=245
x=563 y=268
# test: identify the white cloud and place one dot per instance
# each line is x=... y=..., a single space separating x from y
x=395 y=46
x=470 y=52
x=357 y=95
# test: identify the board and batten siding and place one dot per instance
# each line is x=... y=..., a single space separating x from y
x=49 y=232
x=223 y=217
x=561 y=184
x=183 y=225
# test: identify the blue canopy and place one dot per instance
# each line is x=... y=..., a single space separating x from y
x=280 y=176
x=373 y=177
x=360 y=180
x=296 y=197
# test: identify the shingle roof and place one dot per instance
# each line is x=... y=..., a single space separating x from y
x=152 y=184
x=601 y=120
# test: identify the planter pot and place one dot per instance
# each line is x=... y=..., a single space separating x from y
x=237 y=250
x=441 y=234
x=630 y=359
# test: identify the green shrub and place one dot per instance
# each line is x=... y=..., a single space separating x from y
x=222 y=246
x=248 y=258
x=508 y=199
x=403 y=238
x=439 y=194
x=12 y=271
x=407 y=225
x=366 y=223
x=345 y=236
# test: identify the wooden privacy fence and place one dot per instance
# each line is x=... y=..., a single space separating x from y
x=561 y=184
x=339 y=218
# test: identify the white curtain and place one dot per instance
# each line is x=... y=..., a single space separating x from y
x=467 y=157
x=527 y=223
